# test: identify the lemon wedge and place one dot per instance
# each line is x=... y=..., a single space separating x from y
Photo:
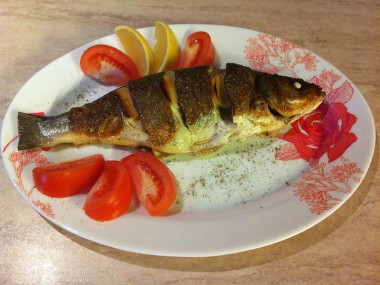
x=136 y=47
x=166 y=48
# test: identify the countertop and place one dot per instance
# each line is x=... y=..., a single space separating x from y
x=343 y=248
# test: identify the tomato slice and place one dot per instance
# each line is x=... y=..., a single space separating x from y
x=68 y=178
x=153 y=183
x=198 y=50
x=108 y=65
x=111 y=195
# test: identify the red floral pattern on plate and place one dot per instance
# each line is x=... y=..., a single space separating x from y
x=318 y=186
x=270 y=54
x=326 y=130
x=19 y=160
x=44 y=207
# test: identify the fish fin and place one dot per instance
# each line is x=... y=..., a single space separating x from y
x=29 y=131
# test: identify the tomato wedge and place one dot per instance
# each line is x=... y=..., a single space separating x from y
x=68 y=178
x=108 y=65
x=111 y=194
x=198 y=50
x=153 y=183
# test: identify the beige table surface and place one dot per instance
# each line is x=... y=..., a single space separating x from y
x=343 y=249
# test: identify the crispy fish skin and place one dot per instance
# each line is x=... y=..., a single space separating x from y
x=184 y=111
x=239 y=83
x=194 y=87
x=194 y=92
x=153 y=108
x=100 y=119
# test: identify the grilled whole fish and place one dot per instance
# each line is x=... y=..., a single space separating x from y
x=184 y=111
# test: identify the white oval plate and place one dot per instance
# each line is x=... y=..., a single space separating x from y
x=247 y=196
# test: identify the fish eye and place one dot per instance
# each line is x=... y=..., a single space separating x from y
x=297 y=85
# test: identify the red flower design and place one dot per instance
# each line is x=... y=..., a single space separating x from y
x=20 y=159
x=287 y=152
x=326 y=80
x=341 y=94
x=256 y=53
x=269 y=54
x=44 y=207
x=326 y=130
x=319 y=187
x=307 y=59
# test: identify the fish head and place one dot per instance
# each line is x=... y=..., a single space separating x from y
x=289 y=97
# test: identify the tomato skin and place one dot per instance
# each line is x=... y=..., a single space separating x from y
x=111 y=195
x=69 y=177
x=153 y=183
x=108 y=65
x=198 y=50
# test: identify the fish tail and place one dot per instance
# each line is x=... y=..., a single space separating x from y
x=30 y=135
x=39 y=131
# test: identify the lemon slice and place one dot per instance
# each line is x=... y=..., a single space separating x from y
x=166 y=48
x=136 y=47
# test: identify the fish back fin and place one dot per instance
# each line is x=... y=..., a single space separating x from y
x=39 y=131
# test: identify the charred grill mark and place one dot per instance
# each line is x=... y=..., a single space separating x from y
x=119 y=101
x=167 y=86
x=153 y=109
x=101 y=118
x=123 y=98
x=219 y=92
x=194 y=91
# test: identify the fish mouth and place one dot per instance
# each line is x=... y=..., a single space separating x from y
x=278 y=116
